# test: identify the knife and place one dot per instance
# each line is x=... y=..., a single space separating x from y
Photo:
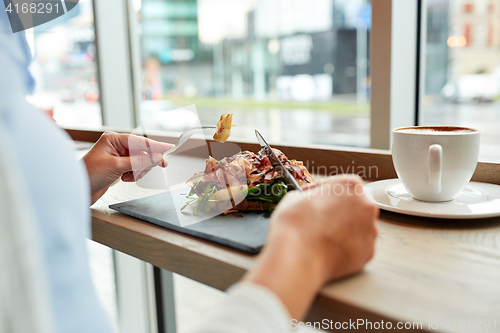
x=277 y=165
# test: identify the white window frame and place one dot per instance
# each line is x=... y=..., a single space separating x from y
x=393 y=68
x=115 y=63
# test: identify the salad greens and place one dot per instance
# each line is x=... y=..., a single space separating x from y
x=272 y=192
x=202 y=194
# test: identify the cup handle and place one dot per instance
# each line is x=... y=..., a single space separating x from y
x=435 y=168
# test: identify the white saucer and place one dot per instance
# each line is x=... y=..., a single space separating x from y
x=475 y=201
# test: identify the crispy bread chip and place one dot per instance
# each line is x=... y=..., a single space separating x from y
x=224 y=127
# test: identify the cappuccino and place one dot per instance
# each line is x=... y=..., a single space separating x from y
x=436 y=130
x=435 y=163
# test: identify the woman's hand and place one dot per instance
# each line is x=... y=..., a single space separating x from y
x=317 y=235
x=121 y=155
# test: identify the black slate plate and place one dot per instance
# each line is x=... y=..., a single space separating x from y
x=246 y=232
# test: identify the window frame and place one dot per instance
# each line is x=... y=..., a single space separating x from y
x=114 y=56
x=396 y=74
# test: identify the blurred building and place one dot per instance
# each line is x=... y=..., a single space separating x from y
x=306 y=52
x=474 y=39
x=65 y=64
x=463 y=38
x=169 y=30
x=173 y=58
x=262 y=49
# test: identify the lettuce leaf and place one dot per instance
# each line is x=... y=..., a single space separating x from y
x=202 y=193
x=272 y=192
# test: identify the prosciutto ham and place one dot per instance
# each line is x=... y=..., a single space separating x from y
x=245 y=181
x=256 y=168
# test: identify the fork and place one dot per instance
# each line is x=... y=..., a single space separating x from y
x=185 y=136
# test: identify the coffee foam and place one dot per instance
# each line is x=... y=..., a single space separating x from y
x=436 y=130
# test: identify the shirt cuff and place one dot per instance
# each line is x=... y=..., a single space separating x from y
x=259 y=298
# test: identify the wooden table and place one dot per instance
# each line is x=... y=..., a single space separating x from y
x=424 y=271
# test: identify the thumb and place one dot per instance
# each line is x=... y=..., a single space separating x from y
x=139 y=162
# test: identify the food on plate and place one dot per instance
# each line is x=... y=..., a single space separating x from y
x=245 y=181
x=224 y=127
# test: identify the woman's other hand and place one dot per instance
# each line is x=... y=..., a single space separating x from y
x=124 y=156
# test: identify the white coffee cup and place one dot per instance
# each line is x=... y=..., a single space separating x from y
x=435 y=163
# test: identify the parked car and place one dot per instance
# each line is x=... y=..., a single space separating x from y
x=472 y=88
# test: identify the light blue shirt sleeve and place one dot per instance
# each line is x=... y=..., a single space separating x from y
x=58 y=188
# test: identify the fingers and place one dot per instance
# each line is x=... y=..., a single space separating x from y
x=135 y=176
x=140 y=162
x=128 y=177
x=139 y=166
x=142 y=174
x=134 y=142
x=125 y=143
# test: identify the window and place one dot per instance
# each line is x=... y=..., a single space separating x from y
x=65 y=68
x=462 y=84
x=300 y=77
